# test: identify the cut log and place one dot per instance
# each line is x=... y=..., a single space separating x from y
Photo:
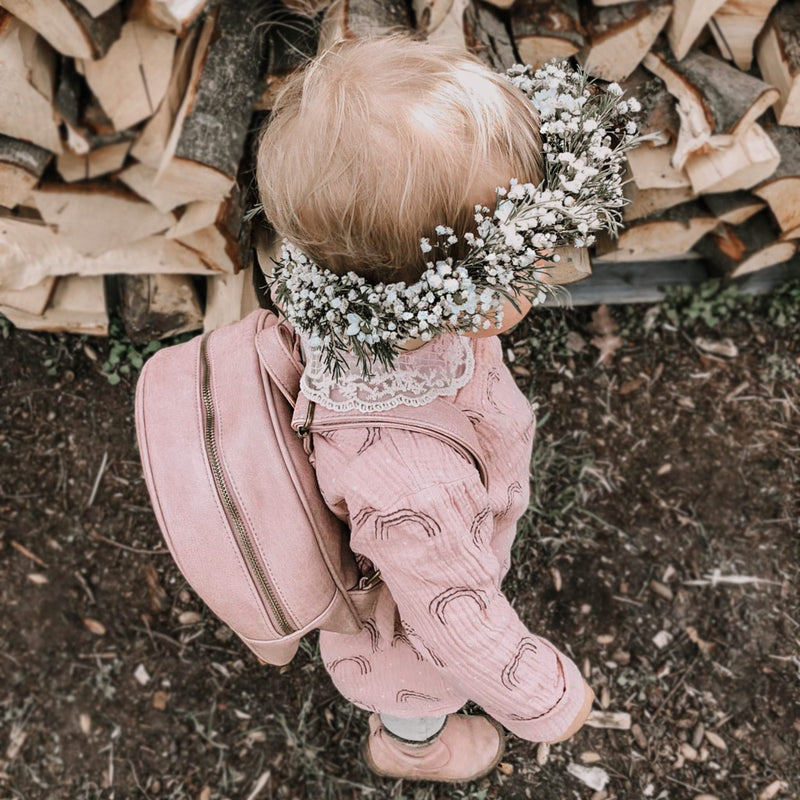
x=750 y=159
x=212 y=231
x=31 y=252
x=27 y=85
x=68 y=26
x=207 y=138
x=651 y=168
x=176 y=16
x=149 y=147
x=778 y=53
x=293 y=41
x=670 y=234
x=103 y=159
x=782 y=190
x=716 y=101
x=131 y=79
x=442 y=21
x=621 y=36
x=487 y=37
x=32 y=300
x=21 y=167
x=141 y=179
x=659 y=117
x=734 y=207
x=78 y=305
x=655 y=184
x=689 y=17
x=94 y=218
x=574 y=265
x=228 y=299
x=648 y=202
x=351 y=19
x=737 y=25
x=97 y=7
x=749 y=247
x=158 y=306
x=545 y=29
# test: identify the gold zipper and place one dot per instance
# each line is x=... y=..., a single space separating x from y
x=234 y=517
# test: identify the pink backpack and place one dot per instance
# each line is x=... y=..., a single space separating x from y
x=224 y=438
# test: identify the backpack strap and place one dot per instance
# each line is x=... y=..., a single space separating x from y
x=279 y=353
x=438 y=419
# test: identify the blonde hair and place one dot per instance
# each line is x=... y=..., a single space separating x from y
x=377 y=141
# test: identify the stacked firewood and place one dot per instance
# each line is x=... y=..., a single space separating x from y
x=126 y=130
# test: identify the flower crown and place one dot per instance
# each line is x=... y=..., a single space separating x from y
x=586 y=130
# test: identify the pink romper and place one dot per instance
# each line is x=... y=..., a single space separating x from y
x=443 y=632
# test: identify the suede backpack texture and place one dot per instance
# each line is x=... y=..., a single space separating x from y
x=225 y=439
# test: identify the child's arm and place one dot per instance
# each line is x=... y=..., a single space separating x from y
x=440 y=568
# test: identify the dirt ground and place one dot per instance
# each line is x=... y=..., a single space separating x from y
x=660 y=550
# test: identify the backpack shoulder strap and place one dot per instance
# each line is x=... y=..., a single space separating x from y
x=279 y=353
x=438 y=419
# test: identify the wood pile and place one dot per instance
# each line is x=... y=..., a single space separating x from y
x=127 y=129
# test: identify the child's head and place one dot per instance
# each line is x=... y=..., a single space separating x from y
x=376 y=142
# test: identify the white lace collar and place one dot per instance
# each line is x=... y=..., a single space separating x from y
x=439 y=368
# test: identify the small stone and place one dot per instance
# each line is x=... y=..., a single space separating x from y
x=142 y=675
x=542 y=753
x=715 y=740
x=688 y=752
x=662 y=639
x=95 y=626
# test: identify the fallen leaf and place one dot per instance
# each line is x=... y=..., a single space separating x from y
x=95 y=626
x=575 y=342
x=608 y=346
x=602 y=321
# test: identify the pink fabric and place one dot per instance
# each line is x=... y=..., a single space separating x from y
x=443 y=632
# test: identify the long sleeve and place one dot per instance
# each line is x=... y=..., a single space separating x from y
x=430 y=536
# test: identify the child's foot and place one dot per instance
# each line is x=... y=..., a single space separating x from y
x=467 y=748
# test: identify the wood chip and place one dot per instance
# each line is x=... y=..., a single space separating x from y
x=661 y=589
x=697 y=735
x=605 y=698
x=542 y=753
x=160 y=699
x=638 y=736
x=85 y=721
x=605 y=638
x=610 y=720
x=664 y=469
x=726 y=348
x=95 y=626
x=590 y=757
x=773 y=790
x=555 y=574
x=594 y=777
x=189 y=618
x=629 y=387
x=505 y=768
x=37 y=578
x=715 y=740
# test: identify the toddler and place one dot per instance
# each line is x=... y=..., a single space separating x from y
x=375 y=148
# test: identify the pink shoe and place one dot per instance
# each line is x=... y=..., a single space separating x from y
x=467 y=748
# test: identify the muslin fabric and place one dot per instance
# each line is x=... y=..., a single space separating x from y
x=443 y=632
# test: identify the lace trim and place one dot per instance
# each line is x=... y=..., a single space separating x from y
x=438 y=369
